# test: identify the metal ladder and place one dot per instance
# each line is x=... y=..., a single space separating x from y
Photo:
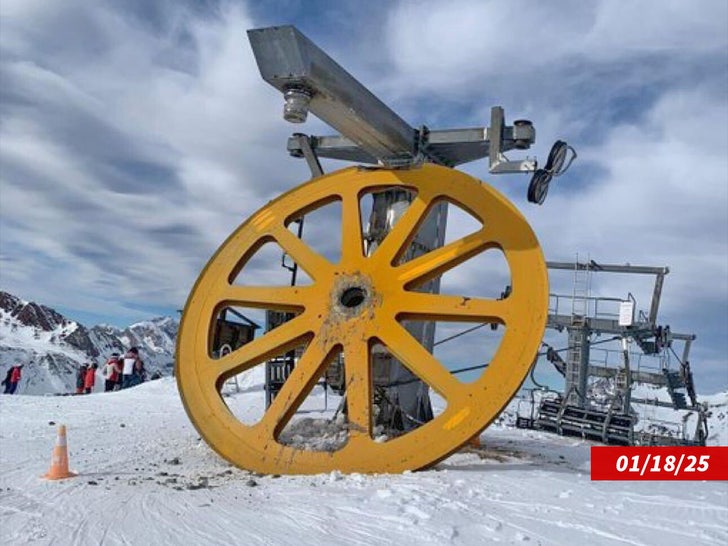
x=579 y=313
x=580 y=294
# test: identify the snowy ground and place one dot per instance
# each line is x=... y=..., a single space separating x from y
x=147 y=478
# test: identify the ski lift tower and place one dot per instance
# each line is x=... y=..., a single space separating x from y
x=371 y=133
x=371 y=311
x=584 y=318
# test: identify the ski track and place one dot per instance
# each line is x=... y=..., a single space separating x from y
x=147 y=478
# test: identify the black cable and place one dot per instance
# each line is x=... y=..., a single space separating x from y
x=572 y=346
x=539 y=186
x=383 y=394
x=416 y=379
x=481 y=366
x=533 y=379
x=679 y=360
x=459 y=334
x=557 y=156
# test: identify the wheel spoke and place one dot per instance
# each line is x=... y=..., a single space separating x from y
x=312 y=263
x=283 y=298
x=438 y=261
x=403 y=230
x=352 y=247
x=358 y=391
x=453 y=308
x=297 y=387
x=277 y=341
x=419 y=361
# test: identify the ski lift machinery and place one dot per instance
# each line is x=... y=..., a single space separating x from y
x=383 y=278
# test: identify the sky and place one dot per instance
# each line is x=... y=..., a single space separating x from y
x=136 y=136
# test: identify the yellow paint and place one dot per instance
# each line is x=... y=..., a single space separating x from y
x=263 y=220
x=456 y=419
x=471 y=406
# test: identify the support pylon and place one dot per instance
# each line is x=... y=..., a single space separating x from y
x=59 y=459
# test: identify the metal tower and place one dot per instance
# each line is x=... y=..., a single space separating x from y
x=585 y=319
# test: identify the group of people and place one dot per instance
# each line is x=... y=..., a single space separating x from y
x=119 y=373
x=12 y=378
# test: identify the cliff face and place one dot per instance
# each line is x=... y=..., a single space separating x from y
x=52 y=347
x=30 y=313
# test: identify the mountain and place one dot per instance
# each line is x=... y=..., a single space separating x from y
x=52 y=346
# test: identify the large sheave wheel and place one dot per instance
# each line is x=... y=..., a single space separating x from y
x=354 y=304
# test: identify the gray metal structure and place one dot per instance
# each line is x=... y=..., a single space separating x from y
x=371 y=132
x=585 y=319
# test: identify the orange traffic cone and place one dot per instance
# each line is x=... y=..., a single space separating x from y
x=59 y=459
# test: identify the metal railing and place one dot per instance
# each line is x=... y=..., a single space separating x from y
x=596 y=307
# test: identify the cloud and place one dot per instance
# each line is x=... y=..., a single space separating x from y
x=136 y=136
x=441 y=46
x=129 y=151
x=639 y=89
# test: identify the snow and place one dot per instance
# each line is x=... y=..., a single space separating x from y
x=41 y=342
x=146 y=477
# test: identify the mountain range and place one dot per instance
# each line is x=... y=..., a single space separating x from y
x=52 y=346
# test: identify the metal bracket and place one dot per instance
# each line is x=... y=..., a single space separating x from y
x=448 y=147
x=371 y=132
x=304 y=148
x=523 y=136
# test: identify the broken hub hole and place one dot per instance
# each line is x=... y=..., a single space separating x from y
x=353 y=297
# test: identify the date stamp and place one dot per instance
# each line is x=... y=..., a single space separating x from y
x=659 y=463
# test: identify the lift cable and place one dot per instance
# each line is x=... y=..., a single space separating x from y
x=455 y=336
x=555 y=162
x=467 y=369
x=383 y=393
x=533 y=378
x=480 y=366
x=679 y=360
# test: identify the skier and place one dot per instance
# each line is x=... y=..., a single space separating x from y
x=112 y=370
x=130 y=362
x=90 y=379
x=15 y=378
x=81 y=379
x=140 y=372
x=6 y=381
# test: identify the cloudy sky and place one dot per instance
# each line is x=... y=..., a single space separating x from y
x=135 y=136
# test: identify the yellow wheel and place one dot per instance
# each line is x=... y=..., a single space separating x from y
x=353 y=305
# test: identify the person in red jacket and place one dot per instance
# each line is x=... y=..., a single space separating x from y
x=90 y=378
x=112 y=371
x=15 y=376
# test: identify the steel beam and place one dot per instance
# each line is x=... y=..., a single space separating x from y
x=294 y=65
x=449 y=147
x=609 y=268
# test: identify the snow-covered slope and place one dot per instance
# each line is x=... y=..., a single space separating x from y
x=681 y=422
x=52 y=346
x=147 y=478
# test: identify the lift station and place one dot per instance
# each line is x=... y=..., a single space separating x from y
x=612 y=416
x=359 y=314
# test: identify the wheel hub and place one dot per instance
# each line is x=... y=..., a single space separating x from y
x=352 y=295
